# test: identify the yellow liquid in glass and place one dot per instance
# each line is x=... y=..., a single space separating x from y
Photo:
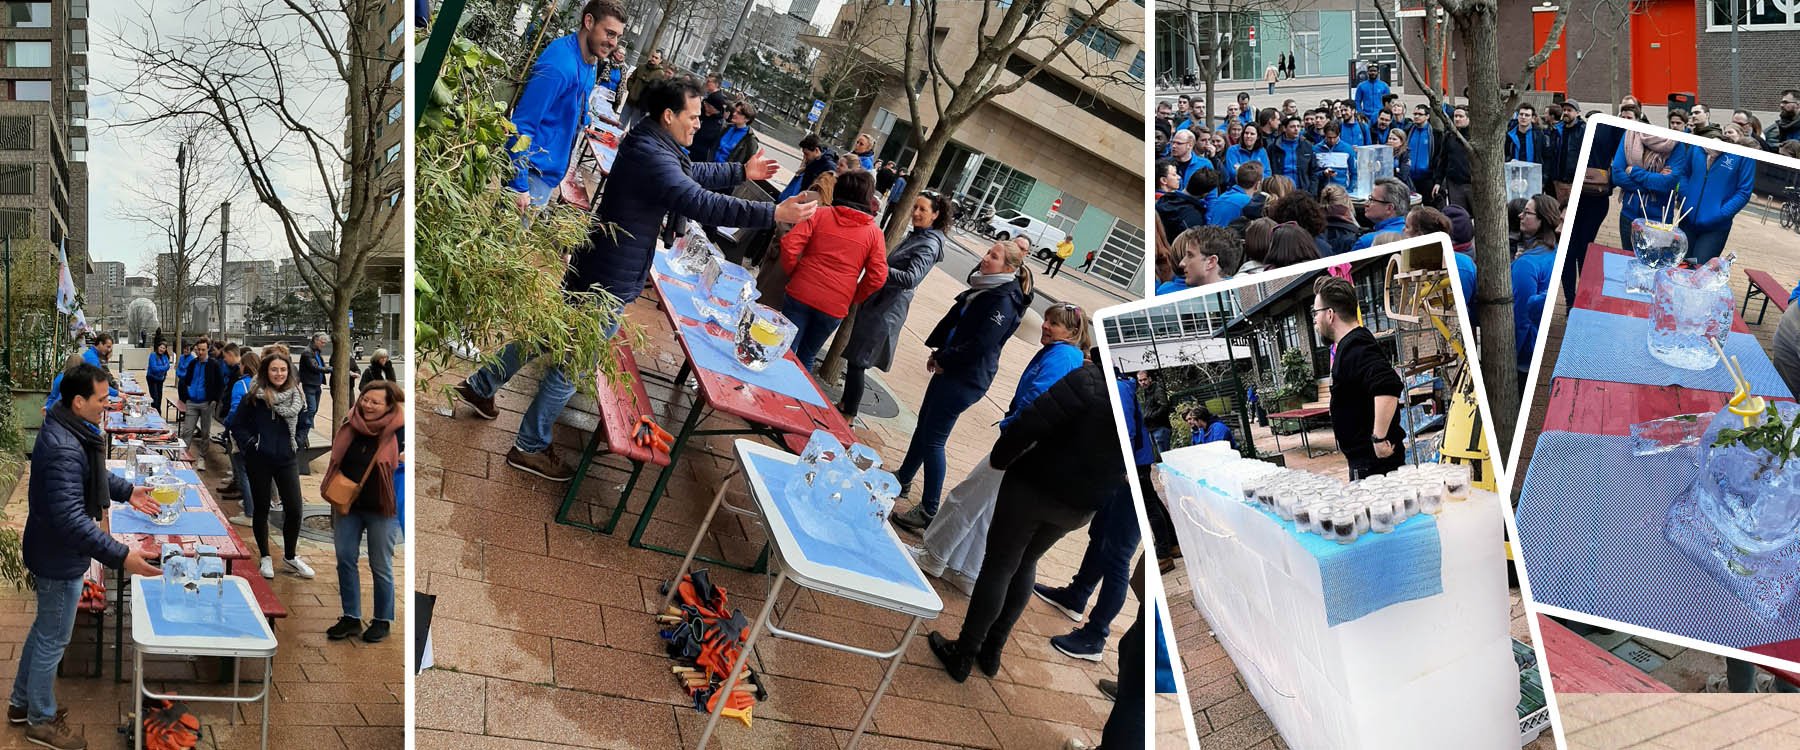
x=166 y=495
x=765 y=333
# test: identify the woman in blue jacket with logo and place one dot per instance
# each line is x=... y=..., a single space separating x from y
x=1540 y=222
x=1248 y=149
x=965 y=355
x=1647 y=170
x=1717 y=187
x=156 y=372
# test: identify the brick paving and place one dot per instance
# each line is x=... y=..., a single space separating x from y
x=1679 y=721
x=541 y=631
x=345 y=695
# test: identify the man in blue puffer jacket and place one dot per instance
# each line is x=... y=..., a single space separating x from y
x=553 y=109
x=1717 y=187
x=69 y=489
x=651 y=180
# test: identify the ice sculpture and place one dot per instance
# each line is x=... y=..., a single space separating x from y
x=1741 y=519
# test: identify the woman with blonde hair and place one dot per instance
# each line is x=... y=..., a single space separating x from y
x=263 y=425
x=956 y=540
x=864 y=151
x=365 y=453
x=965 y=346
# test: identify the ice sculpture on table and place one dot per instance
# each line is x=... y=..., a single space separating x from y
x=186 y=597
x=692 y=251
x=763 y=336
x=1741 y=519
x=1372 y=162
x=166 y=489
x=1654 y=246
x=1689 y=309
x=832 y=480
x=1523 y=179
x=726 y=288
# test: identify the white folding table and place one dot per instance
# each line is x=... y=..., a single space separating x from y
x=146 y=640
x=907 y=593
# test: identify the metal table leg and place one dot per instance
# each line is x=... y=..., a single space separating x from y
x=694 y=547
x=886 y=679
x=737 y=665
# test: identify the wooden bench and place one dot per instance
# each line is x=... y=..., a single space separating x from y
x=1765 y=286
x=271 y=605
x=619 y=406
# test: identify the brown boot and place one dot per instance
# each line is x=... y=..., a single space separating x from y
x=484 y=407
x=55 y=734
x=544 y=464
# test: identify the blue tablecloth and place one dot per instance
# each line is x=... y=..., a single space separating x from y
x=1594 y=541
x=661 y=265
x=190 y=494
x=1618 y=274
x=127 y=520
x=680 y=299
x=863 y=546
x=153 y=422
x=1377 y=570
x=782 y=376
x=1605 y=346
x=236 y=616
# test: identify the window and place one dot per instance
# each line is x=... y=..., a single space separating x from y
x=28 y=54
x=1137 y=66
x=15 y=222
x=394 y=33
x=16 y=179
x=78 y=41
x=393 y=153
x=1096 y=38
x=394 y=72
x=28 y=15
x=394 y=114
x=78 y=110
x=393 y=199
x=1021 y=222
x=30 y=91
x=15 y=133
x=1754 y=15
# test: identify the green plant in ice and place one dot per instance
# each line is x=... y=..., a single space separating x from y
x=1771 y=435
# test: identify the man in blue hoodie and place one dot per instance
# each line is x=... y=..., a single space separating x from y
x=553 y=109
x=654 y=164
x=1292 y=157
x=1717 y=187
x=1225 y=208
x=1371 y=93
x=98 y=355
x=69 y=490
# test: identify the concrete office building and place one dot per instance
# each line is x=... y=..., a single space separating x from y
x=386 y=269
x=1062 y=137
x=1323 y=37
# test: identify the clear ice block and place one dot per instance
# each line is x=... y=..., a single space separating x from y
x=1669 y=433
x=1372 y=163
x=1688 y=307
x=1523 y=179
x=763 y=336
x=1741 y=520
x=1654 y=246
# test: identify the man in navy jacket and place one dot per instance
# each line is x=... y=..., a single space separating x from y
x=1527 y=142
x=553 y=109
x=652 y=180
x=69 y=490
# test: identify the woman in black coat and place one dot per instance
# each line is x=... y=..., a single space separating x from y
x=381 y=367
x=876 y=331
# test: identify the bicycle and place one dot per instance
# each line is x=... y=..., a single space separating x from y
x=1790 y=209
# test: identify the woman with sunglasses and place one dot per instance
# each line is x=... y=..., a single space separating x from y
x=956 y=540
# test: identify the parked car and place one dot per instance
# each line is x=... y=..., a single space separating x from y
x=1044 y=238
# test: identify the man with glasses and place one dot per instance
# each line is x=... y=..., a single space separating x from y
x=1387 y=206
x=1527 y=142
x=1787 y=126
x=1365 y=389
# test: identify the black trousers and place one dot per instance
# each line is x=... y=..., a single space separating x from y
x=284 y=479
x=156 y=394
x=1027 y=523
x=855 y=381
x=1591 y=211
x=1125 y=725
x=1162 y=529
x=1374 y=467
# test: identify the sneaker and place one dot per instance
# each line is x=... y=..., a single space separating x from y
x=484 y=407
x=927 y=562
x=913 y=519
x=377 y=631
x=267 y=568
x=346 y=627
x=1109 y=688
x=1080 y=644
x=1076 y=743
x=242 y=520
x=1059 y=599
x=18 y=714
x=544 y=464
x=297 y=566
x=55 y=734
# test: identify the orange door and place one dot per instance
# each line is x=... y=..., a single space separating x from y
x=1663 y=51
x=1551 y=76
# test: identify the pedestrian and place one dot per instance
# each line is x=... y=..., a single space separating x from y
x=1451 y=172
x=1541 y=224
x=552 y=110
x=864 y=151
x=835 y=259
x=1422 y=146
x=1229 y=205
x=1207 y=255
x=69 y=488
x=642 y=77
x=714 y=109
x=1064 y=249
x=1088 y=262
x=1164 y=544
x=1292 y=157
x=1333 y=143
x=1648 y=168
x=314 y=376
x=1365 y=389
x=1113 y=540
x=1204 y=427
x=249 y=363
x=1718 y=187
x=1062 y=463
x=621 y=245
x=359 y=484
x=99 y=354
x=265 y=424
x=1269 y=77
x=1566 y=137
x=816 y=159
x=738 y=142
x=1386 y=207
x=198 y=386
x=1248 y=151
x=1528 y=142
x=1396 y=142
x=1341 y=230
x=965 y=346
x=156 y=372
x=227 y=365
x=956 y=540
x=381 y=367
x=1371 y=93
x=875 y=334
x=1256 y=407
x=1787 y=124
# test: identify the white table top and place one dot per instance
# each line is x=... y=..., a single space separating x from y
x=143 y=634
x=918 y=599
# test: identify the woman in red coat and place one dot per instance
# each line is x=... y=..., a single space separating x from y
x=835 y=259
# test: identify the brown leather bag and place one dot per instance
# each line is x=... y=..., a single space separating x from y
x=1596 y=181
x=341 y=492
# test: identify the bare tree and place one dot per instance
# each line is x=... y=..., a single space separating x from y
x=845 y=74
x=267 y=75
x=1204 y=42
x=1475 y=23
x=182 y=205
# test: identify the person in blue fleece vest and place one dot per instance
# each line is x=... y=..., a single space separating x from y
x=553 y=109
x=1539 y=222
x=1717 y=187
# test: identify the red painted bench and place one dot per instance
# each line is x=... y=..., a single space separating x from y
x=1765 y=286
x=1579 y=666
x=271 y=606
x=619 y=406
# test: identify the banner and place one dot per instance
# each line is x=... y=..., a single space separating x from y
x=66 y=301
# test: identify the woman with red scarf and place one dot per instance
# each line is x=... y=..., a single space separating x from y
x=367 y=450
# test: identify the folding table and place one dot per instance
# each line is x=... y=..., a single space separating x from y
x=240 y=632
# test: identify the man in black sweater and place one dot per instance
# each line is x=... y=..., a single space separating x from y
x=1365 y=389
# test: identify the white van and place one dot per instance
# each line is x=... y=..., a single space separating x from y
x=1044 y=238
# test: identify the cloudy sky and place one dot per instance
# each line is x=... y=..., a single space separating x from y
x=128 y=162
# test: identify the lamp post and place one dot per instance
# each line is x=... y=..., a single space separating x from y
x=6 y=260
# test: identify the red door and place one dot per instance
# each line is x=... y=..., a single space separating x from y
x=1551 y=76
x=1663 y=51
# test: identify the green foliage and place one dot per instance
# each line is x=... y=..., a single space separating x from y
x=1772 y=435
x=482 y=278
x=1296 y=377
x=12 y=560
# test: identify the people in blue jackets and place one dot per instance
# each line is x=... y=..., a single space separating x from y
x=1204 y=427
x=1387 y=207
x=1334 y=144
x=1422 y=141
x=1528 y=142
x=98 y=355
x=1225 y=208
x=1291 y=156
x=553 y=108
x=1647 y=169
x=1370 y=93
x=156 y=372
x=1248 y=149
x=1717 y=187
x=1539 y=222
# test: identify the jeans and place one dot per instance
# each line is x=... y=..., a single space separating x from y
x=1706 y=244
x=198 y=420
x=1740 y=677
x=156 y=394
x=1271 y=88
x=1162 y=528
x=35 y=686
x=1125 y=725
x=1785 y=349
x=855 y=380
x=945 y=400
x=347 y=532
x=304 y=424
x=1026 y=525
x=815 y=328
x=554 y=392
x=1113 y=538
x=246 y=489
x=285 y=479
x=1161 y=437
